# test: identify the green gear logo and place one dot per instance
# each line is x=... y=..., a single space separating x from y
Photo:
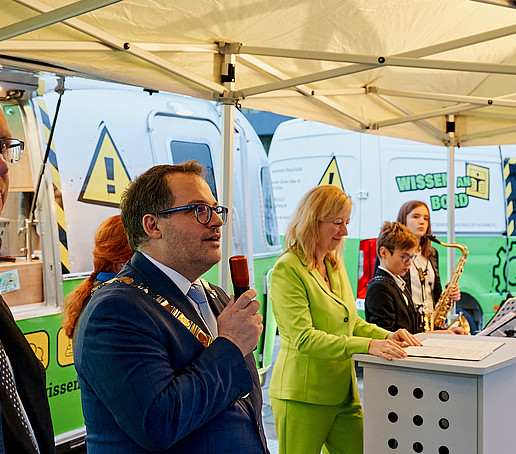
x=500 y=270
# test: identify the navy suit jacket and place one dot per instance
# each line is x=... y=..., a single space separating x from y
x=147 y=383
x=29 y=375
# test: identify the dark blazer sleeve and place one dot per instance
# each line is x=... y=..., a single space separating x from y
x=380 y=306
x=30 y=379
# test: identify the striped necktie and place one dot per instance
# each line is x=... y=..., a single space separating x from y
x=7 y=382
x=196 y=293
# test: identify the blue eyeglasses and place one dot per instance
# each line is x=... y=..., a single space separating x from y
x=203 y=212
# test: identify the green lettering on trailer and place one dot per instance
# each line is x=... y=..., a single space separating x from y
x=421 y=182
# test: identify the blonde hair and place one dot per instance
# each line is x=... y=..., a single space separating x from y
x=320 y=204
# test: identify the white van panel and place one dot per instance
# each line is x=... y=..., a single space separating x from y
x=419 y=172
x=141 y=129
x=292 y=178
x=381 y=173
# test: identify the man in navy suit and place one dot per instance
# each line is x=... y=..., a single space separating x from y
x=160 y=368
x=25 y=426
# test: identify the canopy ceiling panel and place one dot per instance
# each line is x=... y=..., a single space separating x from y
x=390 y=67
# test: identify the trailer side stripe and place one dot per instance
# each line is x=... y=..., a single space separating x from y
x=58 y=196
x=509 y=173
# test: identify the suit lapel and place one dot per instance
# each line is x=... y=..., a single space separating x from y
x=335 y=283
x=160 y=283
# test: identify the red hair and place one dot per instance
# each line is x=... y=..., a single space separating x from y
x=111 y=249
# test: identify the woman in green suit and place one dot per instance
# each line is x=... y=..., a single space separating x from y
x=314 y=395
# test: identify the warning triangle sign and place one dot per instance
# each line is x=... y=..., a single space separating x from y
x=107 y=176
x=332 y=175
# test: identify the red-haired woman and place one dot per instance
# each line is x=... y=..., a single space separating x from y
x=110 y=253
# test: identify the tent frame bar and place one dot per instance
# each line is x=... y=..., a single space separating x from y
x=479 y=100
x=424 y=125
x=129 y=48
x=257 y=65
x=52 y=17
x=379 y=61
x=435 y=113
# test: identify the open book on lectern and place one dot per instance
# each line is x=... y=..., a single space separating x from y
x=503 y=323
x=468 y=350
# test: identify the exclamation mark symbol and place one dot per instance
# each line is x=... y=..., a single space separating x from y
x=110 y=174
x=330 y=181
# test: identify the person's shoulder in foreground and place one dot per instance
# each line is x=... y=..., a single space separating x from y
x=26 y=424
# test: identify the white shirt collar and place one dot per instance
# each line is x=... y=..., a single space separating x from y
x=182 y=282
x=398 y=279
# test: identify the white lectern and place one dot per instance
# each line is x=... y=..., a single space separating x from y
x=440 y=406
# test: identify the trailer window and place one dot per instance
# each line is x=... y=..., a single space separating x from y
x=269 y=210
x=184 y=151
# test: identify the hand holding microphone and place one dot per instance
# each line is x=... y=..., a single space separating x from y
x=240 y=321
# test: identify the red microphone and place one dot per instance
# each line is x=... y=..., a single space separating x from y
x=239 y=274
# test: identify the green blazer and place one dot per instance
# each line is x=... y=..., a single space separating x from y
x=319 y=331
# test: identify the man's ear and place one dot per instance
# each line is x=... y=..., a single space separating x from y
x=151 y=226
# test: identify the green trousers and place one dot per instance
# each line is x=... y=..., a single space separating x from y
x=307 y=428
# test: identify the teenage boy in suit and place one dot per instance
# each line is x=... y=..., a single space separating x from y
x=388 y=302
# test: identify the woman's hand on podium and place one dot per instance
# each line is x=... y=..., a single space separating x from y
x=403 y=336
x=393 y=346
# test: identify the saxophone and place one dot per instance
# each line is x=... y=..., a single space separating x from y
x=442 y=307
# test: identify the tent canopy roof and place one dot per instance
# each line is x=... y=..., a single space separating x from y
x=391 y=67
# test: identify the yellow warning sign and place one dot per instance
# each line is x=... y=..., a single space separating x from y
x=107 y=176
x=64 y=349
x=479 y=177
x=38 y=341
x=332 y=175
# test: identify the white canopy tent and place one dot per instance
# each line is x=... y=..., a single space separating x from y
x=402 y=68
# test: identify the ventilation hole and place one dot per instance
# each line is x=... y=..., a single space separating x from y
x=444 y=396
x=443 y=450
x=418 y=393
x=393 y=417
x=393 y=390
x=392 y=443
x=444 y=423
x=418 y=420
x=418 y=447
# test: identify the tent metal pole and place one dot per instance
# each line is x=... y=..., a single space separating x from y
x=226 y=172
x=226 y=193
x=450 y=129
